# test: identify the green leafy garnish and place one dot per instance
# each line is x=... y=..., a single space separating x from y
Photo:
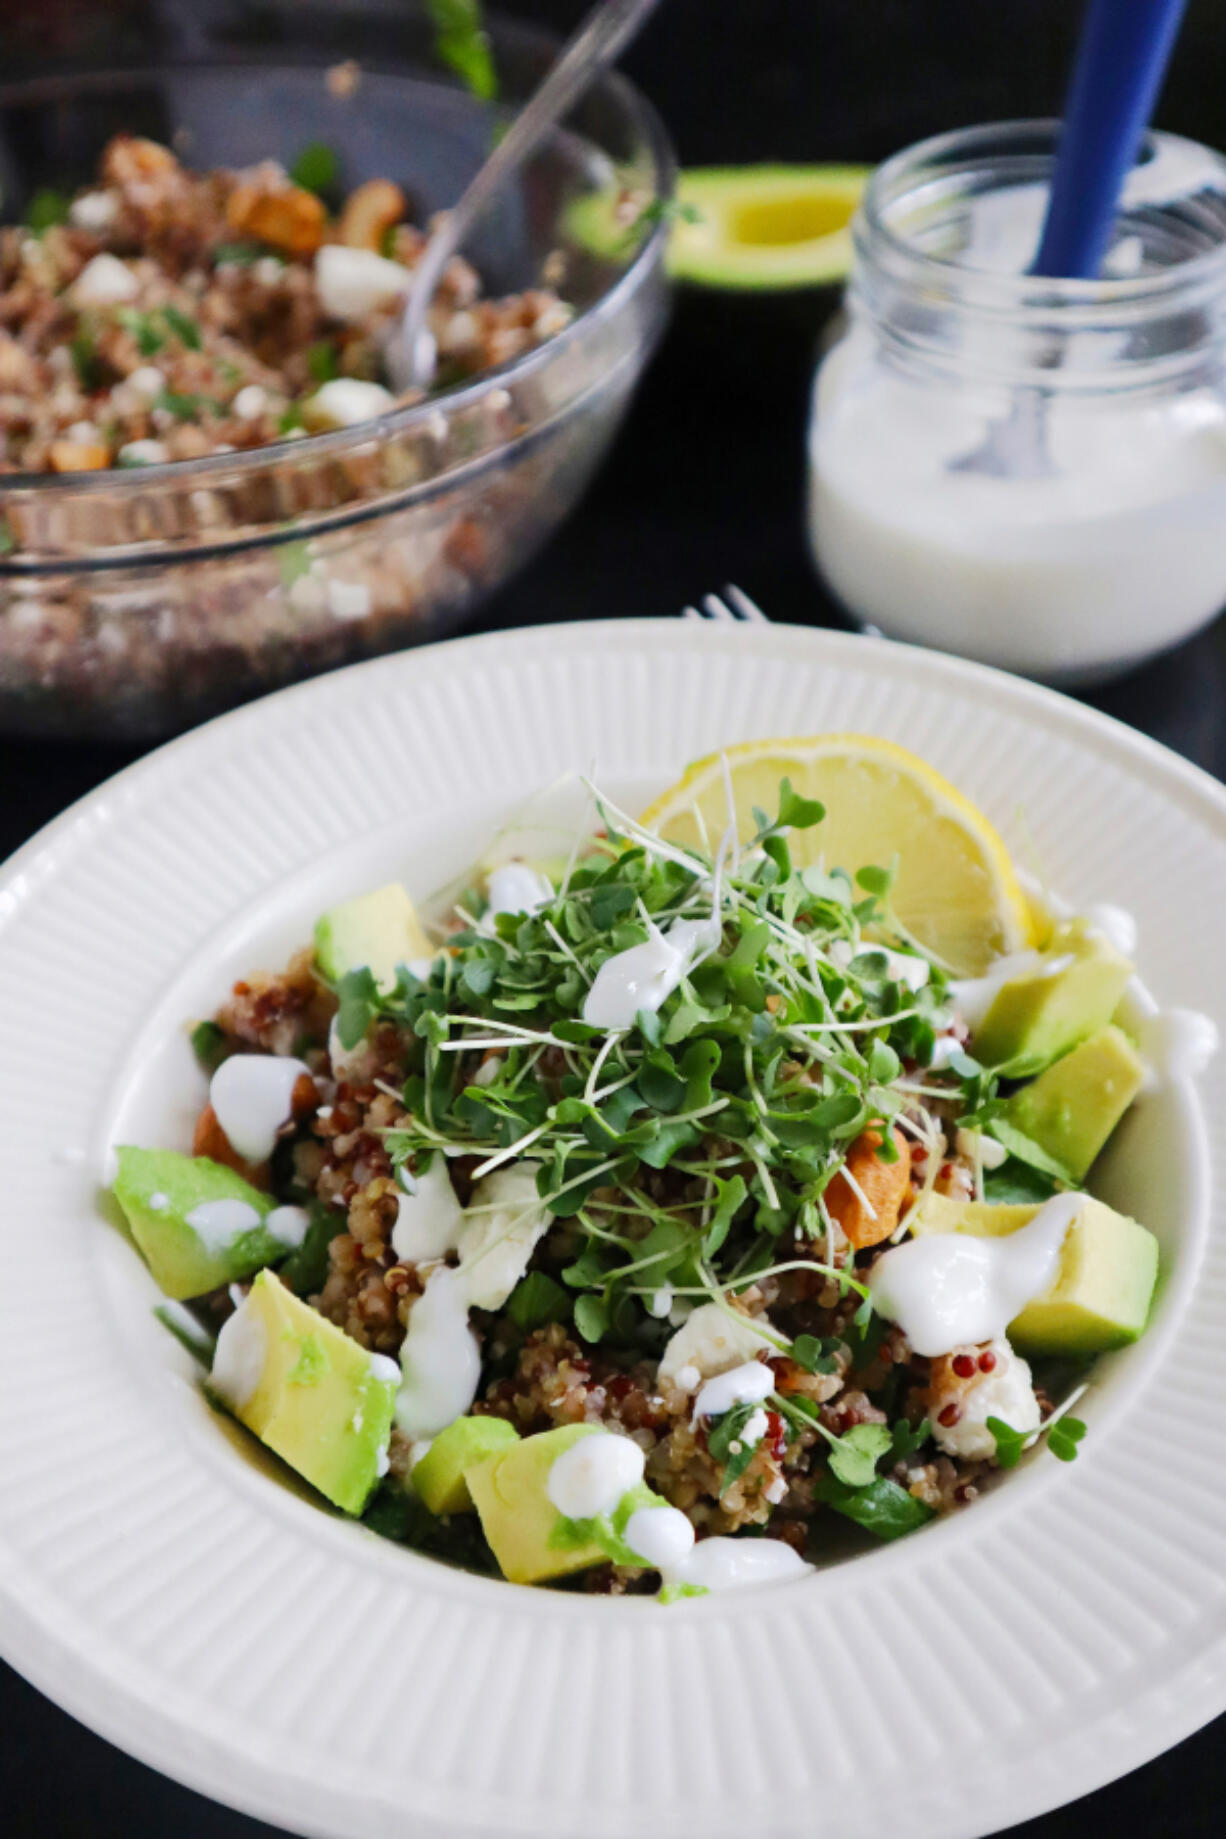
x=854 y=1456
x=1064 y=1436
x=316 y=168
x=47 y=207
x=321 y=361
x=208 y=1045
x=883 y=1508
x=188 y=1332
x=463 y=45
x=306 y=1268
x=311 y=1364
x=358 y=994
x=184 y=328
x=727 y=1444
x=537 y=1299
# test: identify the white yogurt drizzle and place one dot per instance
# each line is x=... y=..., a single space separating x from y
x=238 y=1361
x=741 y=1385
x=1176 y=1044
x=513 y=887
x=948 y=1289
x=252 y=1095
x=217 y=1223
x=440 y=1360
x=288 y=1225
x=663 y=1537
x=591 y=1477
x=645 y=976
x=430 y=1216
x=729 y=1564
x=1115 y=924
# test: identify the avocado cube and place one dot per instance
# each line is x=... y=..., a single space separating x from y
x=316 y=1398
x=377 y=932
x=509 y=1491
x=1101 y=1293
x=1071 y=1109
x=198 y=1224
x=439 y=1476
x=1073 y=992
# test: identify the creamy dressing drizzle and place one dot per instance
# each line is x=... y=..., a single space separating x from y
x=217 y=1223
x=741 y=1385
x=238 y=1361
x=729 y=1564
x=440 y=1360
x=1177 y=1044
x=513 y=887
x=288 y=1225
x=252 y=1095
x=429 y=1217
x=662 y=1536
x=591 y=1477
x=1115 y=924
x=645 y=976
x=947 y=1290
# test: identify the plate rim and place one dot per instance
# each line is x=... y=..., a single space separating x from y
x=1208 y=796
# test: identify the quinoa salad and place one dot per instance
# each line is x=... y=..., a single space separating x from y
x=164 y=314
x=664 y=1217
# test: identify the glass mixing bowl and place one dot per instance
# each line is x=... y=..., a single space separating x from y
x=134 y=602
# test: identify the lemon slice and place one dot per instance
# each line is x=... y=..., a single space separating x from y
x=956 y=891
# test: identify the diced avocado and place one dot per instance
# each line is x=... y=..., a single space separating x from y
x=1101 y=1294
x=1071 y=1109
x=198 y=1224
x=1073 y=992
x=517 y=1516
x=313 y=1395
x=378 y=931
x=439 y=1476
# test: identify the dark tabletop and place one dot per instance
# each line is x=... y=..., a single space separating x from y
x=705 y=487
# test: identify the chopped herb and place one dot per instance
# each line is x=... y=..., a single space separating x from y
x=188 y=1332
x=209 y=1045
x=726 y=1443
x=1064 y=1436
x=85 y=359
x=306 y=1268
x=144 y=329
x=359 y=1004
x=8 y=542
x=45 y=208
x=1015 y=1183
x=317 y=167
x=243 y=255
x=185 y=329
x=463 y=45
x=854 y=1456
x=591 y=1317
x=321 y=361
x=291 y=418
x=311 y=1364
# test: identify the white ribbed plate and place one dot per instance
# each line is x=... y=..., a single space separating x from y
x=192 y=1608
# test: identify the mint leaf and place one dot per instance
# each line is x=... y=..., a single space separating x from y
x=462 y=44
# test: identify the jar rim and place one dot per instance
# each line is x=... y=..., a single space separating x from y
x=992 y=292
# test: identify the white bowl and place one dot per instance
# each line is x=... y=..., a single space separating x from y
x=173 y=1590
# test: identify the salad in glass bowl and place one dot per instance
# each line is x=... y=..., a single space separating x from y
x=658 y=1217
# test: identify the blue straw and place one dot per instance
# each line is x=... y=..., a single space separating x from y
x=1122 y=56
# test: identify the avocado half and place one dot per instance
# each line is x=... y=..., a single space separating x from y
x=765 y=227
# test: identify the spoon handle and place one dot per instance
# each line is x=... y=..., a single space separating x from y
x=1122 y=56
x=608 y=27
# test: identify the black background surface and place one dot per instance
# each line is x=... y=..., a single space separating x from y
x=704 y=487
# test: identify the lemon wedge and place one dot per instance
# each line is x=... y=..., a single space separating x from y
x=955 y=891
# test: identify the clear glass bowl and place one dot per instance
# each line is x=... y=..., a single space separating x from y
x=133 y=603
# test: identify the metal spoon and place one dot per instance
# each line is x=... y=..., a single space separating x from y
x=412 y=354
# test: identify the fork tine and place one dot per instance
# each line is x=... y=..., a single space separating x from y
x=745 y=608
x=692 y=613
x=715 y=609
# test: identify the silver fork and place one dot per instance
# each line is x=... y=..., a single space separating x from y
x=737 y=610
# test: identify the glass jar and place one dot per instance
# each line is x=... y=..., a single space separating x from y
x=1028 y=471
